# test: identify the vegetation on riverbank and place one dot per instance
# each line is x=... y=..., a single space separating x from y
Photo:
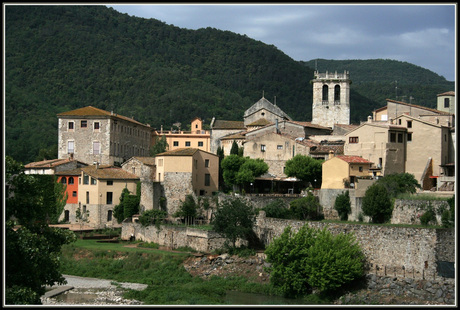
x=168 y=281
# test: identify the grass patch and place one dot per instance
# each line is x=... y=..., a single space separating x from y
x=168 y=281
x=427 y=197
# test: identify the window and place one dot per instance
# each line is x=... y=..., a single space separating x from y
x=70 y=147
x=262 y=148
x=353 y=140
x=109 y=215
x=74 y=194
x=207 y=179
x=93 y=181
x=87 y=201
x=400 y=138
x=409 y=136
x=160 y=162
x=446 y=103
x=109 y=183
x=325 y=94
x=279 y=147
x=70 y=126
x=392 y=137
x=187 y=143
x=176 y=143
x=399 y=121
x=206 y=163
x=96 y=125
x=84 y=124
x=109 y=199
x=96 y=148
x=409 y=124
x=85 y=179
x=202 y=192
x=360 y=168
x=200 y=143
x=337 y=94
x=71 y=181
x=64 y=180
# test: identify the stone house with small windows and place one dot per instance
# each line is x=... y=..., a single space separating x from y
x=93 y=135
x=99 y=191
x=52 y=166
x=221 y=129
x=186 y=171
x=380 y=143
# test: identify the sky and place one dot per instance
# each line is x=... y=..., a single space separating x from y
x=421 y=34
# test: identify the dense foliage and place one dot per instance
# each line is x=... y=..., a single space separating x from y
x=448 y=215
x=62 y=57
x=306 y=208
x=313 y=259
x=399 y=183
x=377 y=203
x=306 y=168
x=234 y=219
x=32 y=248
x=129 y=204
x=152 y=217
x=342 y=205
x=238 y=170
x=188 y=209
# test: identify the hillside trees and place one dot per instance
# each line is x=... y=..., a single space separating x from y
x=32 y=248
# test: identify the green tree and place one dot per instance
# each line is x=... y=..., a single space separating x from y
x=313 y=259
x=448 y=216
x=152 y=216
x=220 y=154
x=399 y=183
x=235 y=149
x=128 y=206
x=230 y=166
x=342 y=205
x=188 y=209
x=306 y=208
x=160 y=146
x=377 y=203
x=234 y=219
x=305 y=168
x=32 y=248
x=250 y=169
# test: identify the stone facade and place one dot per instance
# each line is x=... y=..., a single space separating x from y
x=410 y=211
x=177 y=185
x=331 y=98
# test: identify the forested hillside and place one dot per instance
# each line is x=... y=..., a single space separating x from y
x=62 y=57
x=382 y=79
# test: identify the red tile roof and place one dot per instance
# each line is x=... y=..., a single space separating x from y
x=353 y=159
x=50 y=163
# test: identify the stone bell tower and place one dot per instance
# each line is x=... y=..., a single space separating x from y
x=331 y=98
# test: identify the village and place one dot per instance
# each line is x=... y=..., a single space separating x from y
x=100 y=153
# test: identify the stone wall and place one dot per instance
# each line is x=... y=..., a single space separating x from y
x=177 y=185
x=389 y=250
x=410 y=211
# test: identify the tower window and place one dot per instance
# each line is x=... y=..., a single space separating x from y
x=446 y=103
x=325 y=94
x=337 y=94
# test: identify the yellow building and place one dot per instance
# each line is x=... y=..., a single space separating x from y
x=186 y=171
x=342 y=171
x=195 y=138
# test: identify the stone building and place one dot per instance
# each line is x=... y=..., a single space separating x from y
x=99 y=191
x=222 y=128
x=446 y=102
x=52 y=166
x=381 y=143
x=264 y=109
x=93 y=135
x=187 y=171
x=331 y=98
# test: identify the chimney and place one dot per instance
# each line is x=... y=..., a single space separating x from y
x=331 y=154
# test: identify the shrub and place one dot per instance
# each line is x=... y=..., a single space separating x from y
x=306 y=208
x=277 y=209
x=150 y=217
x=448 y=216
x=313 y=259
x=343 y=206
x=377 y=203
x=429 y=217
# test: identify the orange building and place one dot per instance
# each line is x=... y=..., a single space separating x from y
x=70 y=179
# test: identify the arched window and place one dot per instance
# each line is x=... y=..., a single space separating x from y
x=71 y=180
x=325 y=94
x=64 y=180
x=337 y=94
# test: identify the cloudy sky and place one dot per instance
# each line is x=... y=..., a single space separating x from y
x=422 y=34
